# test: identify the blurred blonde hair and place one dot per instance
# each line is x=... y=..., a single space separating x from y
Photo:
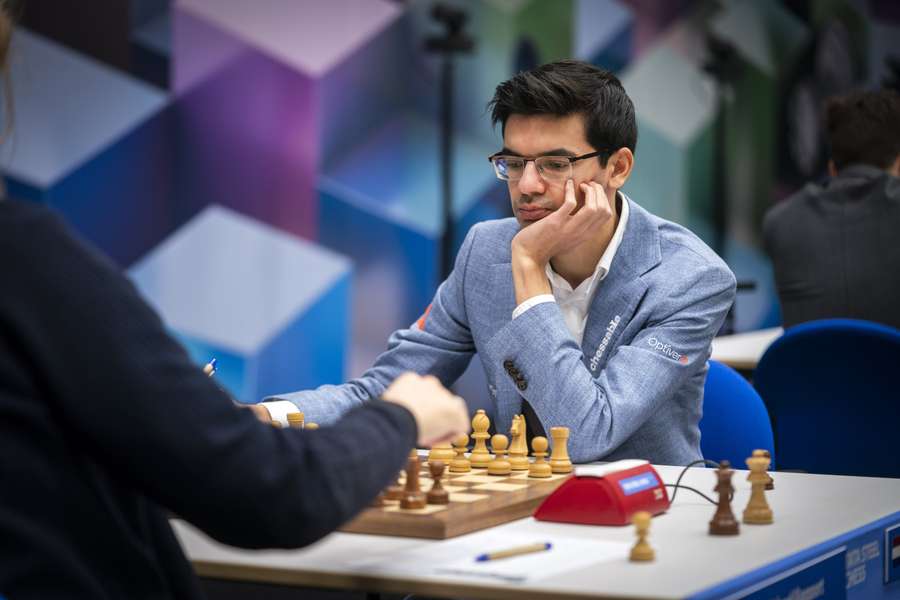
x=6 y=29
x=5 y=33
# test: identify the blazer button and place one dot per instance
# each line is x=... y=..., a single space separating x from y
x=508 y=364
x=522 y=384
x=514 y=372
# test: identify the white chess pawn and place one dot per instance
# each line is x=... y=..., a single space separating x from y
x=295 y=420
x=499 y=466
x=460 y=464
x=642 y=551
x=540 y=468
x=442 y=452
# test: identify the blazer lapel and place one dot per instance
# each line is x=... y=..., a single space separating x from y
x=618 y=295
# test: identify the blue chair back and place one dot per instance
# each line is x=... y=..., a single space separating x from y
x=735 y=421
x=833 y=389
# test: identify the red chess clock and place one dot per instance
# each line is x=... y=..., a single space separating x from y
x=606 y=494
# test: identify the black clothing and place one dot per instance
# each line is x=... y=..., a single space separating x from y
x=105 y=426
x=836 y=249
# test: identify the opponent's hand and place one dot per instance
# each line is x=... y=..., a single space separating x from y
x=440 y=415
x=260 y=412
x=565 y=228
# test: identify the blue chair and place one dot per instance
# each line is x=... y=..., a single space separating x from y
x=735 y=421
x=833 y=389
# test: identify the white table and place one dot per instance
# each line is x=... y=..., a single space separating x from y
x=742 y=351
x=821 y=522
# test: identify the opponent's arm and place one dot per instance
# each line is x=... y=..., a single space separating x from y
x=127 y=397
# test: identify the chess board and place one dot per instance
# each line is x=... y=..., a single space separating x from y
x=477 y=501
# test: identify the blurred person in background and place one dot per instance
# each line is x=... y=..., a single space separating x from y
x=835 y=246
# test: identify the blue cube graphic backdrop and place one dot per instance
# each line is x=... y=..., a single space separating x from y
x=378 y=206
x=90 y=142
x=270 y=307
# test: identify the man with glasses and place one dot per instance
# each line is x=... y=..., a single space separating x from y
x=585 y=310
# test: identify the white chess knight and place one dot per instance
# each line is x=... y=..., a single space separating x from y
x=518 y=449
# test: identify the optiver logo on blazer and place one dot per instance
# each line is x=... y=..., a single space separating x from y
x=667 y=350
x=604 y=342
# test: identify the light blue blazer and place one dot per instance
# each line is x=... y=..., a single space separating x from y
x=633 y=389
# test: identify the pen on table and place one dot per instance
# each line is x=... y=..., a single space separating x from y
x=514 y=551
x=210 y=368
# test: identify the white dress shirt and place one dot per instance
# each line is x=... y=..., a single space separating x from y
x=575 y=304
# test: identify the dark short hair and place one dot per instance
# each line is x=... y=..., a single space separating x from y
x=568 y=87
x=864 y=128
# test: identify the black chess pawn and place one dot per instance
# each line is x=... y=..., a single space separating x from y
x=412 y=495
x=437 y=494
x=394 y=491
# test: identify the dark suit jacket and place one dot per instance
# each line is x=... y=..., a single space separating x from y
x=105 y=426
x=836 y=248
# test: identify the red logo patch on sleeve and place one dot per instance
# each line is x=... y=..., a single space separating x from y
x=421 y=322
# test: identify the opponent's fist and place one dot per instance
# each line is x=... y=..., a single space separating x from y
x=440 y=415
x=261 y=412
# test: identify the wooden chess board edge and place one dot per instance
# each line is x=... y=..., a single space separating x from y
x=457 y=519
x=477 y=522
x=374 y=522
x=438 y=526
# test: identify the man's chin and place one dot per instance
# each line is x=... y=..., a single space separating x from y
x=523 y=223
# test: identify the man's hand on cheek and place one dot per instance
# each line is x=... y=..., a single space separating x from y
x=567 y=227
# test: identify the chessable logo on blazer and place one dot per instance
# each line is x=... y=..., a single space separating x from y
x=667 y=350
x=604 y=342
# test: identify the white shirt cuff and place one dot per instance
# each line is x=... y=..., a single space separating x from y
x=533 y=301
x=280 y=409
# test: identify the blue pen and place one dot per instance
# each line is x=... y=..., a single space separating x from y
x=540 y=547
x=210 y=368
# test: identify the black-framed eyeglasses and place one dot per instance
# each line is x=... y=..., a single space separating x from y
x=551 y=168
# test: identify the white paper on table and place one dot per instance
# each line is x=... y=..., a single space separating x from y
x=456 y=558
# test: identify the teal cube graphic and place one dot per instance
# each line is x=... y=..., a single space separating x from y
x=272 y=308
x=675 y=110
x=511 y=36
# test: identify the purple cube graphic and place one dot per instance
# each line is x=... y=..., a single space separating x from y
x=265 y=98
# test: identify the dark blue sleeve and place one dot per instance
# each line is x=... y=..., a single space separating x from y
x=131 y=399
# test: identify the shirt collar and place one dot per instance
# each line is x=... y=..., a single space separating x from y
x=855 y=174
x=558 y=283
